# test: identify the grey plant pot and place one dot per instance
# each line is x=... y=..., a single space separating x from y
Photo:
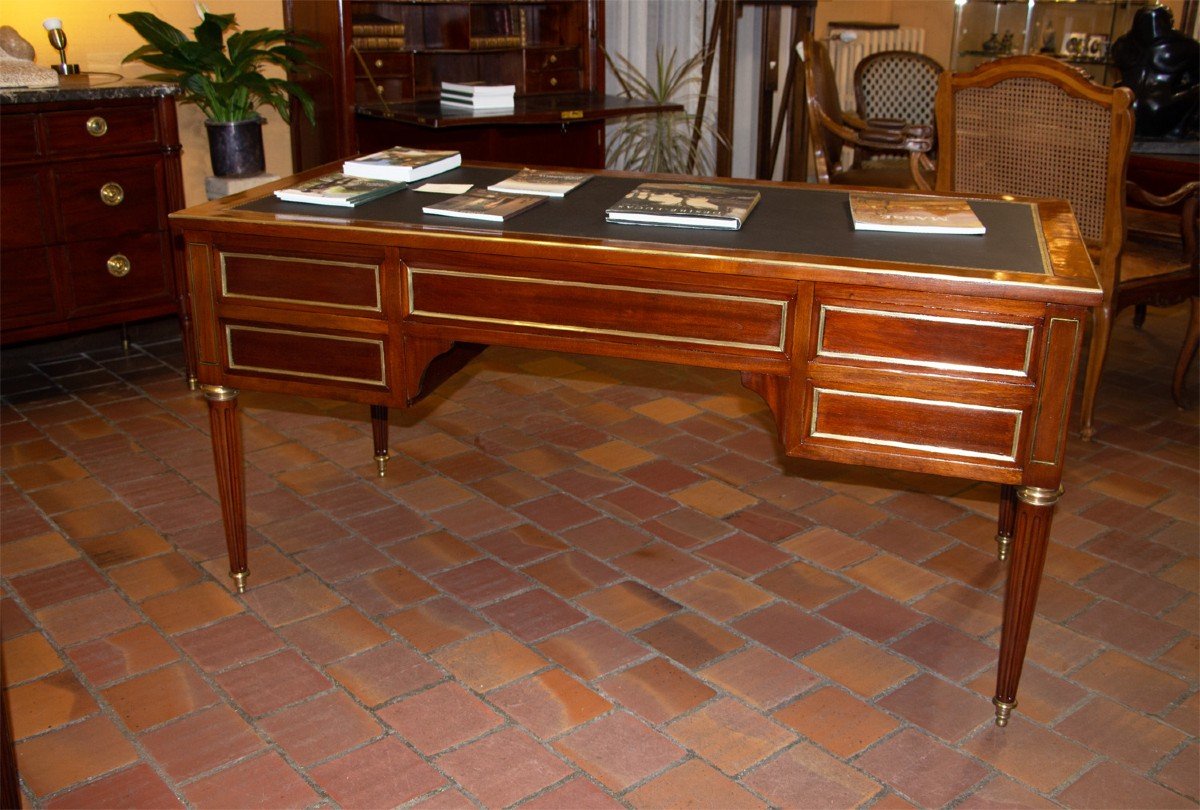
x=236 y=147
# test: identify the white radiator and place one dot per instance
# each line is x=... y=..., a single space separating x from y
x=848 y=46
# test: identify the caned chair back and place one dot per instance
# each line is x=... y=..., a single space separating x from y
x=897 y=84
x=1032 y=126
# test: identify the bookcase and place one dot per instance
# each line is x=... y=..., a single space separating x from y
x=383 y=62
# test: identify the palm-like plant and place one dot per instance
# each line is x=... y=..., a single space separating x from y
x=662 y=142
x=222 y=75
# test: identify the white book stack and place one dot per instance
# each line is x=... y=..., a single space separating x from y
x=478 y=95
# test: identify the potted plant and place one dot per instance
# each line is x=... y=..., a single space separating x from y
x=223 y=77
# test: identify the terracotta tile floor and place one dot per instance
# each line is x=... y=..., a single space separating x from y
x=584 y=583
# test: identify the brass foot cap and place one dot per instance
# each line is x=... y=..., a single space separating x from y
x=1003 y=710
x=239 y=580
x=1003 y=544
x=381 y=461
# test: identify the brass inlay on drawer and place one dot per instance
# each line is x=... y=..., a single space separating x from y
x=933 y=364
x=112 y=194
x=119 y=265
x=1010 y=455
x=374 y=268
x=768 y=302
x=234 y=366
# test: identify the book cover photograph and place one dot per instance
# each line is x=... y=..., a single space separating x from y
x=901 y=213
x=338 y=189
x=542 y=182
x=685 y=205
x=402 y=165
x=490 y=206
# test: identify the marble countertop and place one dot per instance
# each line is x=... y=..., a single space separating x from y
x=87 y=87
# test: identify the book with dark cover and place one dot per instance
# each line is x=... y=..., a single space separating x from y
x=338 y=189
x=685 y=205
x=490 y=206
x=541 y=182
x=401 y=164
x=905 y=213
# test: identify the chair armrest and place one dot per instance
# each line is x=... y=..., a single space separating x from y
x=1139 y=195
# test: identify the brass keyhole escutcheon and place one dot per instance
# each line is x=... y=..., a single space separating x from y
x=112 y=194
x=119 y=265
x=97 y=126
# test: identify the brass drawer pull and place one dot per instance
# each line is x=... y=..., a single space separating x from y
x=378 y=63
x=97 y=126
x=553 y=58
x=553 y=81
x=119 y=265
x=112 y=194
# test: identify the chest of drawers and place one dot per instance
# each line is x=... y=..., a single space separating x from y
x=87 y=178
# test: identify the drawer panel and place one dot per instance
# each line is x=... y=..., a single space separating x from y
x=27 y=279
x=94 y=288
x=25 y=201
x=133 y=186
x=946 y=428
x=746 y=321
x=124 y=127
x=552 y=59
x=261 y=278
x=19 y=138
x=552 y=81
x=305 y=355
x=384 y=63
x=941 y=342
x=392 y=88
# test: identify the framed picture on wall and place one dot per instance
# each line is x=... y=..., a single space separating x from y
x=1074 y=43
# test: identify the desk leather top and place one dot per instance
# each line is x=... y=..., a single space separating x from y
x=810 y=220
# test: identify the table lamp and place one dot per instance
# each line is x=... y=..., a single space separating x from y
x=58 y=38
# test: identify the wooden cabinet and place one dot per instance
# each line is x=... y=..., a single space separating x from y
x=382 y=65
x=87 y=178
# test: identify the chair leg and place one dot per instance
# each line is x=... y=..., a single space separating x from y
x=1101 y=332
x=1187 y=352
x=1139 y=316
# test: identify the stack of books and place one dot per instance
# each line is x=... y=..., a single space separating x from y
x=400 y=164
x=478 y=95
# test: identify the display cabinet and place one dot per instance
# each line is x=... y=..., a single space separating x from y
x=1077 y=31
x=382 y=65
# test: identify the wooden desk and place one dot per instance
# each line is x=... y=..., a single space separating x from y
x=939 y=354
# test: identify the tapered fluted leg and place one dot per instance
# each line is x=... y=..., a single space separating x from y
x=1031 y=534
x=231 y=475
x=379 y=430
x=1008 y=516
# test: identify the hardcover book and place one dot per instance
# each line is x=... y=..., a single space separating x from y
x=685 y=205
x=477 y=89
x=902 y=213
x=490 y=206
x=485 y=104
x=541 y=182
x=400 y=164
x=338 y=189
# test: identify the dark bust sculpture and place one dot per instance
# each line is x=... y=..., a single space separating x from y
x=1161 y=66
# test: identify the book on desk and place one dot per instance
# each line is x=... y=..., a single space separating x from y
x=401 y=164
x=684 y=205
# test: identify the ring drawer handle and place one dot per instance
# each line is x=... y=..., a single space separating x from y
x=553 y=58
x=119 y=265
x=112 y=194
x=553 y=81
x=378 y=63
x=97 y=126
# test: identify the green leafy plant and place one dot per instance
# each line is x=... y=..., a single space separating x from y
x=222 y=75
x=677 y=141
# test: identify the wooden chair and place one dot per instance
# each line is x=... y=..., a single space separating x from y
x=897 y=85
x=831 y=129
x=1033 y=126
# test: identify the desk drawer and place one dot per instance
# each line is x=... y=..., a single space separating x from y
x=305 y=355
x=342 y=286
x=96 y=268
x=748 y=321
x=19 y=138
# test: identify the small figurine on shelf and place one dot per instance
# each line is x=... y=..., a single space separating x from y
x=992 y=44
x=1006 y=43
x=1048 y=45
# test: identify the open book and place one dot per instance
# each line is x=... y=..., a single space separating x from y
x=906 y=213
x=685 y=205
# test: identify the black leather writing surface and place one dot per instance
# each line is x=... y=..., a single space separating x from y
x=813 y=221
